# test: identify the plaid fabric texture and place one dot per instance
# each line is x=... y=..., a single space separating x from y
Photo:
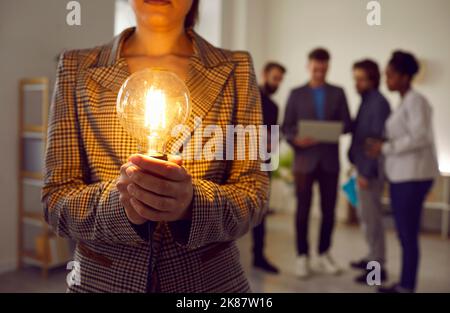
x=87 y=145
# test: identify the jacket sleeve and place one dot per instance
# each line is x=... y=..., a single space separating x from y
x=381 y=112
x=345 y=113
x=418 y=123
x=366 y=166
x=74 y=206
x=289 y=125
x=223 y=212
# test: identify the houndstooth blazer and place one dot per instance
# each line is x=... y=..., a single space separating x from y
x=86 y=145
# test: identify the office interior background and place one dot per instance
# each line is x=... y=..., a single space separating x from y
x=33 y=33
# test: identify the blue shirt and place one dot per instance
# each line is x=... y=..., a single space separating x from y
x=319 y=101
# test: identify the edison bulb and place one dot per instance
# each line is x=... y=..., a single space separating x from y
x=150 y=104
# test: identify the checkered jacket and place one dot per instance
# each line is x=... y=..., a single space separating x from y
x=86 y=145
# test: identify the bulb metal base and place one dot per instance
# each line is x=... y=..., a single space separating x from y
x=158 y=155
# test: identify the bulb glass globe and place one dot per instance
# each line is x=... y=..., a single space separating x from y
x=150 y=104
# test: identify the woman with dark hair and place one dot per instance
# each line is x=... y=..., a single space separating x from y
x=410 y=162
x=100 y=194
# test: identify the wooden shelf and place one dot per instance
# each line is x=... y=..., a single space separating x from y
x=33 y=218
x=33 y=215
x=32 y=175
x=32 y=255
x=33 y=182
x=32 y=258
x=33 y=128
x=49 y=251
x=33 y=97
x=33 y=135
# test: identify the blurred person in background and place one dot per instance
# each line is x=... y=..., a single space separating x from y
x=272 y=77
x=410 y=162
x=315 y=161
x=369 y=123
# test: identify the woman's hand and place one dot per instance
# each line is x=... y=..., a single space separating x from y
x=122 y=185
x=373 y=147
x=159 y=190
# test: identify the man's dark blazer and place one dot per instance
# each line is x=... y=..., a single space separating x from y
x=301 y=106
x=369 y=123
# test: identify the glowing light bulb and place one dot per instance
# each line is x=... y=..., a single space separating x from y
x=149 y=104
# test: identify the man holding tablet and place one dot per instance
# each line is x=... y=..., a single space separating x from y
x=320 y=111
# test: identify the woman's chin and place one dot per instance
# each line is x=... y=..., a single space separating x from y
x=157 y=21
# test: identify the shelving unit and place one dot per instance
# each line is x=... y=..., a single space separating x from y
x=36 y=242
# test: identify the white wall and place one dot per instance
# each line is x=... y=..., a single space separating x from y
x=124 y=16
x=244 y=28
x=210 y=21
x=32 y=34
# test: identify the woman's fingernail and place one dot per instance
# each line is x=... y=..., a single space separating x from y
x=129 y=171
x=131 y=189
x=134 y=159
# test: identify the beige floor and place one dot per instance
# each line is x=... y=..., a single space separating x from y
x=348 y=245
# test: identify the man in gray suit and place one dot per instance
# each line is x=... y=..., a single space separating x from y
x=315 y=161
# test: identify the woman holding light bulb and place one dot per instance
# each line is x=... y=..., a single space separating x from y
x=98 y=192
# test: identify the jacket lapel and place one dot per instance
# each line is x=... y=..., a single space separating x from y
x=210 y=69
x=110 y=77
x=111 y=71
x=205 y=84
x=208 y=73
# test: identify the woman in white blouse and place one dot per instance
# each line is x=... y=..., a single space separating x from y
x=410 y=162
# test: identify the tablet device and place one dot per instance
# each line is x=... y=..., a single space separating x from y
x=322 y=131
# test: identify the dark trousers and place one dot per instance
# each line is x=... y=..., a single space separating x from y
x=259 y=233
x=407 y=201
x=328 y=184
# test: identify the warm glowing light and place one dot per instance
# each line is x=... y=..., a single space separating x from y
x=150 y=104
x=155 y=109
